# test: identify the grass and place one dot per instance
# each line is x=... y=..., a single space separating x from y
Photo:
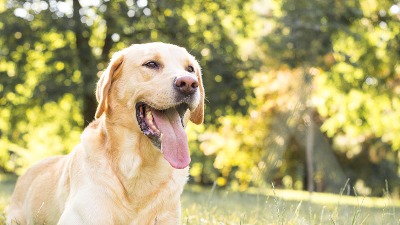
x=6 y=187
x=281 y=207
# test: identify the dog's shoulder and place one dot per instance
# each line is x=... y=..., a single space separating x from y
x=93 y=137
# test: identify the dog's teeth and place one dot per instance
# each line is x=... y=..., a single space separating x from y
x=152 y=125
x=154 y=128
x=149 y=116
x=149 y=120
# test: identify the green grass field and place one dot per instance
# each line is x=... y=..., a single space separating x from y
x=211 y=206
x=201 y=206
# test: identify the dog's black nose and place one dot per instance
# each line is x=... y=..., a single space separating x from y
x=187 y=85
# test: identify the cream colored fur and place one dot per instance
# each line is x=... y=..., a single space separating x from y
x=114 y=175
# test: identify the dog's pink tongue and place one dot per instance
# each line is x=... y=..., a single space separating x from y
x=174 y=143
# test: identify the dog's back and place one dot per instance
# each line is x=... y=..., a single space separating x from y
x=39 y=179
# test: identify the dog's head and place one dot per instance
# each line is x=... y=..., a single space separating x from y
x=155 y=89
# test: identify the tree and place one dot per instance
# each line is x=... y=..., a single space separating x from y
x=343 y=50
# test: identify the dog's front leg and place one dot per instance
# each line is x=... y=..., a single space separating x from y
x=87 y=208
x=70 y=217
x=169 y=216
x=75 y=216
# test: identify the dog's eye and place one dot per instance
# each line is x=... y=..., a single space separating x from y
x=190 y=69
x=152 y=65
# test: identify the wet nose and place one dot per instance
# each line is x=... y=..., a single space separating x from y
x=187 y=85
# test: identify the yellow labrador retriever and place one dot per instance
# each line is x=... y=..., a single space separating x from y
x=132 y=162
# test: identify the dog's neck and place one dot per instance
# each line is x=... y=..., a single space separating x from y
x=127 y=149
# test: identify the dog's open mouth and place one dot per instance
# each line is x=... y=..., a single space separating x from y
x=166 y=131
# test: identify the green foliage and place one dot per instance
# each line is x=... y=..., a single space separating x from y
x=40 y=115
x=357 y=96
x=236 y=147
x=53 y=128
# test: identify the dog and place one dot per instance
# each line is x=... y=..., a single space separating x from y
x=131 y=164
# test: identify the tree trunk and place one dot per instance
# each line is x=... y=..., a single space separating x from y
x=325 y=161
x=309 y=152
x=111 y=29
x=86 y=64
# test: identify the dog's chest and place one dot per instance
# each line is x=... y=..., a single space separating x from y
x=155 y=199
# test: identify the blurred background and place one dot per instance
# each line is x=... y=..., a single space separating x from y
x=301 y=94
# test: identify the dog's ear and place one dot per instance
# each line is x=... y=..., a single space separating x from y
x=197 y=115
x=104 y=84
